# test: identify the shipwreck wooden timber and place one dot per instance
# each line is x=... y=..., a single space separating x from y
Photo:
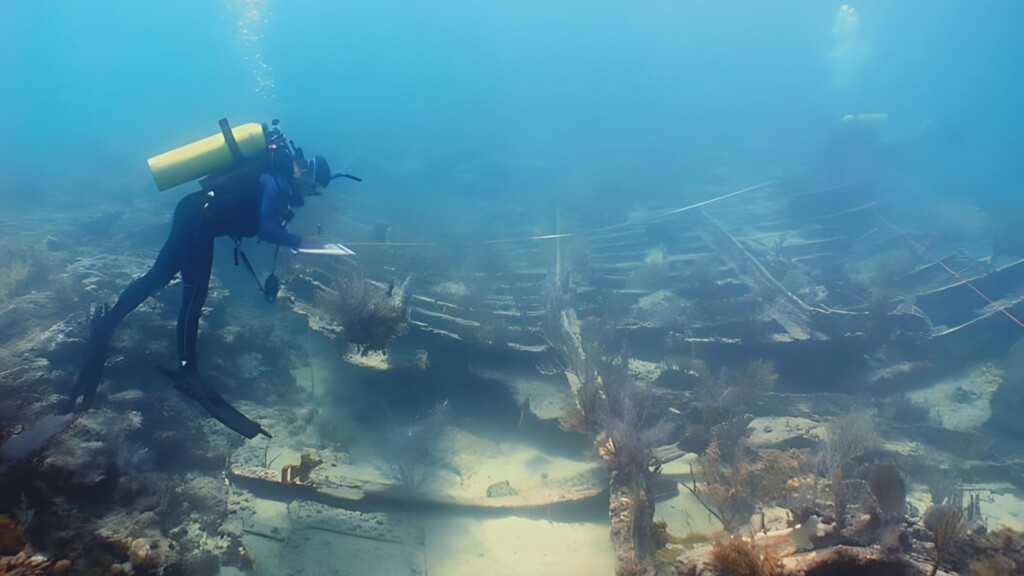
x=357 y=494
x=786 y=273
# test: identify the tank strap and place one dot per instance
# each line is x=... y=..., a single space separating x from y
x=239 y=252
x=269 y=293
x=229 y=139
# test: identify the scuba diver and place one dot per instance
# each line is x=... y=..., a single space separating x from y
x=251 y=196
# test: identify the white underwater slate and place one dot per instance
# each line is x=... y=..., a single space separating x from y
x=329 y=249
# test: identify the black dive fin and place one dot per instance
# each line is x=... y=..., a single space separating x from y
x=216 y=405
x=88 y=377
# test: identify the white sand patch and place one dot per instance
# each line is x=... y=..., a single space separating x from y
x=550 y=398
x=686 y=516
x=474 y=464
x=518 y=547
x=268 y=515
x=682 y=466
x=470 y=466
x=919 y=497
x=1002 y=505
x=962 y=402
x=1003 y=510
x=482 y=463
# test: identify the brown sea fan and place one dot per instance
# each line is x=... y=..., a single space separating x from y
x=373 y=315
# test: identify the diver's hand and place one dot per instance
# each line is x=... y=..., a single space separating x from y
x=313 y=241
x=99 y=325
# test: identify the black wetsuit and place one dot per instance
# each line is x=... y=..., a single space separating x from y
x=258 y=210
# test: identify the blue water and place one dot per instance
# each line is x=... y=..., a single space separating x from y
x=605 y=91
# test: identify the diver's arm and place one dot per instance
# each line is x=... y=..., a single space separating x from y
x=275 y=201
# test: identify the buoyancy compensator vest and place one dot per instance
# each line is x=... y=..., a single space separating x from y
x=229 y=166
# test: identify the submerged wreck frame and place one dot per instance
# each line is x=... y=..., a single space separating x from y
x=819 y=282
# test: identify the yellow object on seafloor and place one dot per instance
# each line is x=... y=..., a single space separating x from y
x=205 y=156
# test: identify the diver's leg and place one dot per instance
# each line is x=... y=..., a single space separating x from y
x=195 y=280
x=157 y=277
x=104 y=321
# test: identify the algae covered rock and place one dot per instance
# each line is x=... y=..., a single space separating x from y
x=501 y=490
x=206 y=497
x=154 y=553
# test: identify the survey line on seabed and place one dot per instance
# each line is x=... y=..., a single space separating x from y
x=923 y=252
x=582 y=233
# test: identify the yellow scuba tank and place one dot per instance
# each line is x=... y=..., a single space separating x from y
x=208 y=155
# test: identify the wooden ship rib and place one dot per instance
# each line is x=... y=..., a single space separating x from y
x=778 y=271
x=819 y=282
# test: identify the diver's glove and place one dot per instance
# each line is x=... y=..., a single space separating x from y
x=88 y=377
